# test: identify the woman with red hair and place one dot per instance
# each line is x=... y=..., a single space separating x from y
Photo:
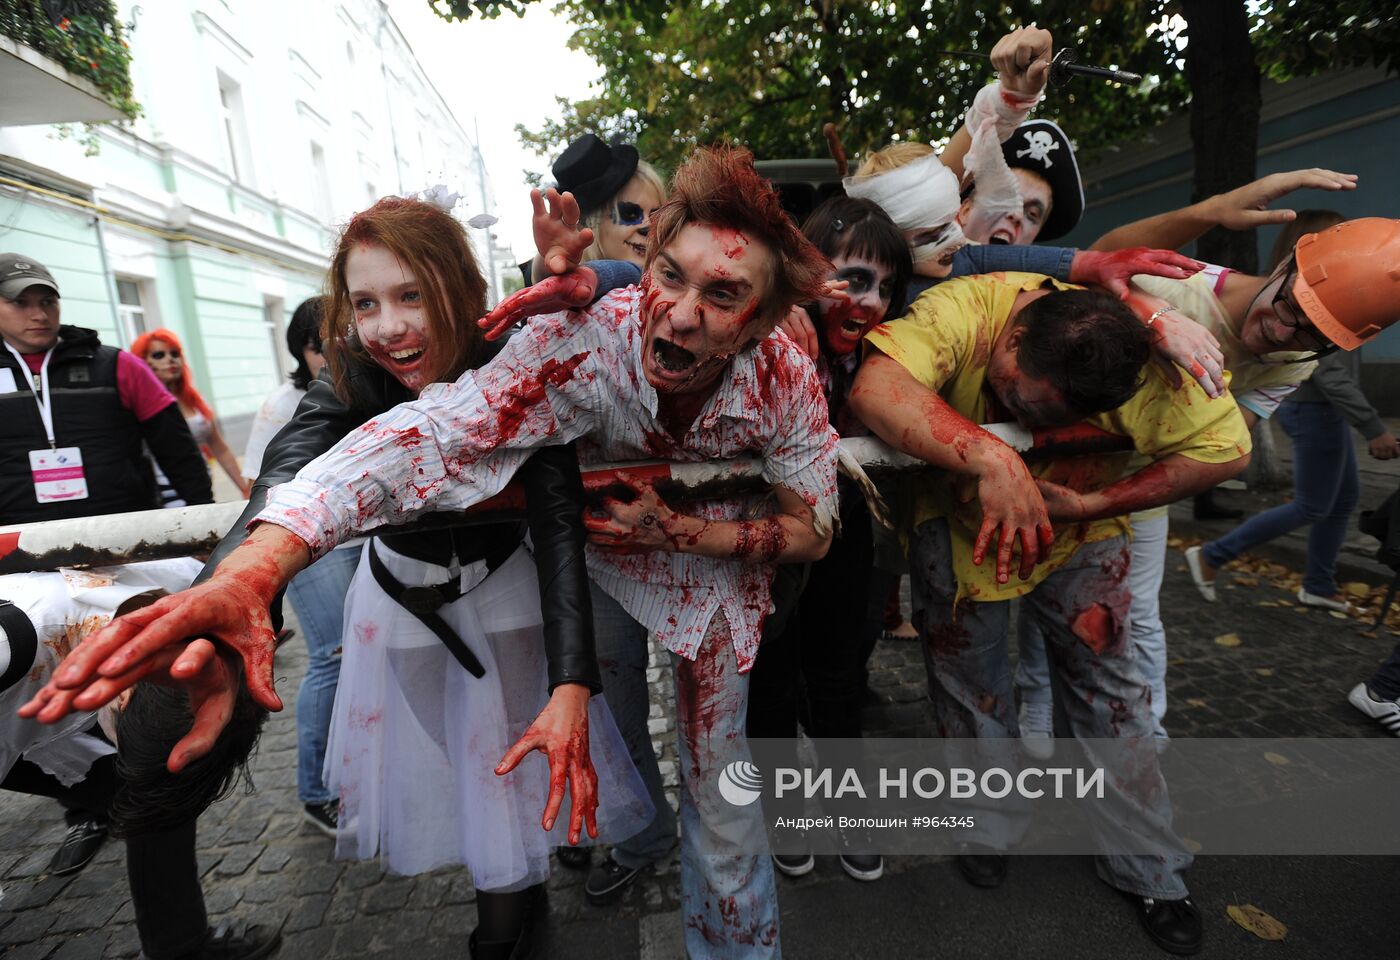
x=162 y=351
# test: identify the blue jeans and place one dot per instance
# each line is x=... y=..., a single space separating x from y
x=729 y=898
x=1100 y=693
x=1326 y=487
x=317 y=595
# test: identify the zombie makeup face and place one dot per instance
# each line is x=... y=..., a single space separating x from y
x=622 y=231
x=390 y=320
x=1276 y=324
x=1021 y=227
x=933 y=248
x=167 y=362
x=1031 y=401
x=870 y=287
x=701 y=306
x=29 y=322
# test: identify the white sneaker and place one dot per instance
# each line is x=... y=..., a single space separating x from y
x=1197 y=565
x=1327 y=603
x=1038 y=728
x=1384 y=712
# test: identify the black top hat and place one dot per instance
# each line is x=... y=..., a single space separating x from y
x=593 y=171
x=1042 y=147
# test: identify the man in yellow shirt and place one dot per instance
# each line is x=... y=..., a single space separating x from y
x=1026 y=348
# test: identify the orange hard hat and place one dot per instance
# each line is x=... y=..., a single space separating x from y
x=1349 y=279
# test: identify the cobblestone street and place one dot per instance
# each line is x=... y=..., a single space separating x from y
x=1288 y=676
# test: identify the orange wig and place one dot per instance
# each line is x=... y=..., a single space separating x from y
x=184 y=391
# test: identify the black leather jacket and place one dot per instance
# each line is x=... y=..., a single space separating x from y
x=554 y=498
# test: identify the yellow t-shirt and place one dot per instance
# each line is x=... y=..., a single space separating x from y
x=945 y=342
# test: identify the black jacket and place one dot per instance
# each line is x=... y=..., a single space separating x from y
x=554 y=499
x=88 y=414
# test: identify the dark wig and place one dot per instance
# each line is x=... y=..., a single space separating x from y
x=1086 y=343
x=851 y=227
x=305 y=331
x=151 y=799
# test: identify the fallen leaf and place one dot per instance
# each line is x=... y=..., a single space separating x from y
x=1191 y=845
x=1264 y=671
x=1357 y=589
x=1338 y=614
x=1195 y=702
x=1277 y=759
x=1266 y=603
x=1256 y=921
x=1228 y=640
x=1247 y=581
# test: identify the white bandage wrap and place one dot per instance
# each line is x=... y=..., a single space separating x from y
x=919 y=195
x=1009 y=110
x=998 y=192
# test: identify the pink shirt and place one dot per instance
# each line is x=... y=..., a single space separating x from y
x=138 y=387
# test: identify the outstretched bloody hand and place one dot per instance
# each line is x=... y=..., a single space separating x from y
x=567 y=291
x=560 y=732
x=558 y=236
x=1012 y=509
x=639 y=525
x=133 y=646
x=1113 y=268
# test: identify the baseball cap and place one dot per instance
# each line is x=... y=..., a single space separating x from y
x=18 y=273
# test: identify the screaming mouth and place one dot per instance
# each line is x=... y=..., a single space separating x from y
x=673 y=359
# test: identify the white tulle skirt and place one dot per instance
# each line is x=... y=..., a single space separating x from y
x=415 y=738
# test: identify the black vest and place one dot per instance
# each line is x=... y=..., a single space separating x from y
x=87 y=414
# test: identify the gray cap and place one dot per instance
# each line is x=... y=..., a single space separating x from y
x=18 y=273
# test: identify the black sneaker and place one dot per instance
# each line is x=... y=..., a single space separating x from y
x=863 y=866
x=80 y=844
x=1174 y=925
x=608 y=881
x=324 y=816
x=575 y=858
x=237 y=940
x=981 y=865
x=794 y=864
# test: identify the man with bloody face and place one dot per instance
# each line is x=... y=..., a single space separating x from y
x=1024 y=348
x=682 y=367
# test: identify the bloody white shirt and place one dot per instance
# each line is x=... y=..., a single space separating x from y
x=578 y=376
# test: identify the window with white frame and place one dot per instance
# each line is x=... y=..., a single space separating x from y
x=240 y=155
x=321 y=182
x=131 y=307
x=272 y=322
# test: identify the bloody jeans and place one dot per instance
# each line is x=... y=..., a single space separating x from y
x=1099 y=688
x=729 y=901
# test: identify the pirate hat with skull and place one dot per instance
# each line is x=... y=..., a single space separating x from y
x=1042 y=147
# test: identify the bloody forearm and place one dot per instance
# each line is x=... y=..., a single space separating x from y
x=1158 y=484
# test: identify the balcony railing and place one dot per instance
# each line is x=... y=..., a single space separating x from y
x=83 y=39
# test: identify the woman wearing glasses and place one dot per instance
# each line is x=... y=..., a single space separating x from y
x=162 y=351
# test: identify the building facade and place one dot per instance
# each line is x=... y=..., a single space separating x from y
x=265 y=125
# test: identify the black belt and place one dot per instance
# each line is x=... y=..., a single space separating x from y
x=24 y=643
x=423 y=602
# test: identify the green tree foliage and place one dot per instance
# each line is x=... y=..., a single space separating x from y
x=769 y=74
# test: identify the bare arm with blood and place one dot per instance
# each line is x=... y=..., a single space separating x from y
x=1113 y=270
x=911 y=417
x=1160 y=483
x=647 y=523
x=1179 y=341
x=232 y=607
x=1244 y=208
x=552 y=294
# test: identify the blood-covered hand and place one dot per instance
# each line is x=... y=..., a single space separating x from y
x=560 y=732
x=798 y=325
x=1022 y=60
x=1012 y=509
x=1112 y=269
x=565 y=291
x=1179 y=341
x=1247 y=207
x=1061 y=503
x=558 y=237
x=639 y=526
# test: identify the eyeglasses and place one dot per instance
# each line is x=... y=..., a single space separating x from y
x=624 y=213
x=1301 y=332
x=160 y=355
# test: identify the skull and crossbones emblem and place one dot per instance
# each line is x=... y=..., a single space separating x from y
x=1039 y=143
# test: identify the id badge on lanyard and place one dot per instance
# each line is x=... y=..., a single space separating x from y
x=58 y=471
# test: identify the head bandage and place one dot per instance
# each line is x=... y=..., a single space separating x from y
x=920 y=195
x=998 y=193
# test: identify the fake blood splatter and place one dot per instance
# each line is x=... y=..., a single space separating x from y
x=514 y=403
